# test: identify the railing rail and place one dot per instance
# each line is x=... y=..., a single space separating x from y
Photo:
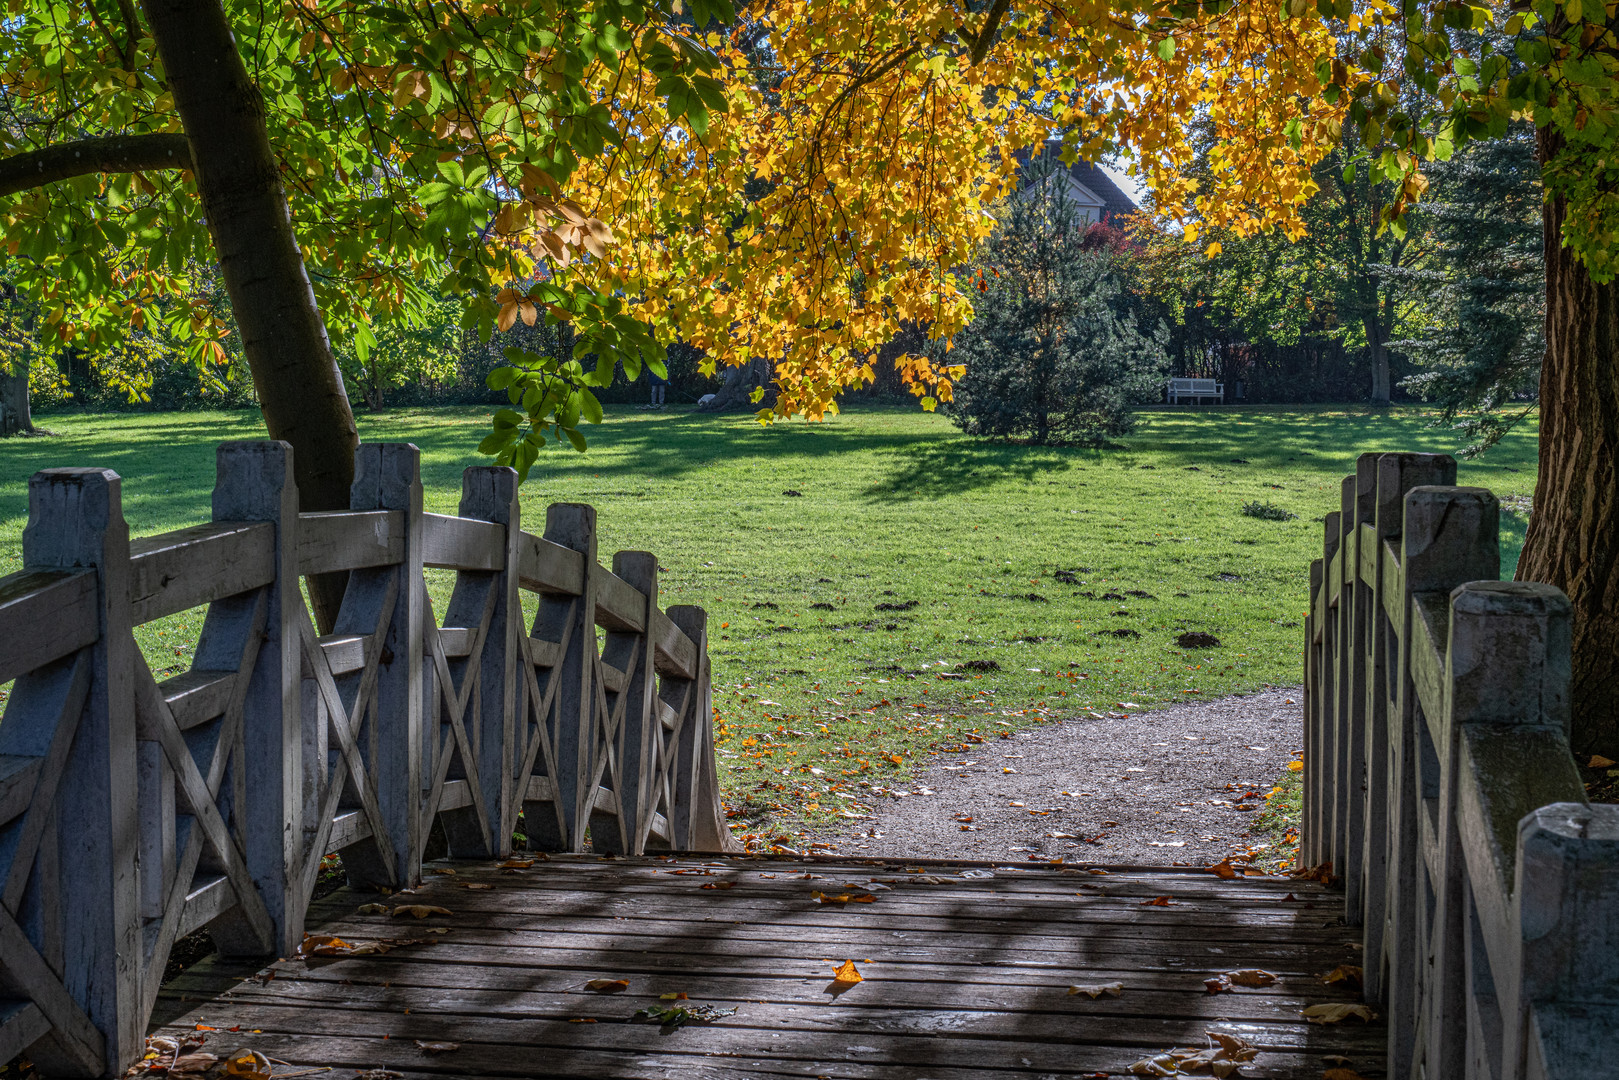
x=134 y=810
x=1440 y=788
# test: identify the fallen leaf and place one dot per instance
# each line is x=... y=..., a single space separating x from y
x=719 y=885
x=325 y=945
x=437 y=1047
x=607 y=986
x=1340 y=1073
x=1345 y=973
x=195 y=1062
x=846 y=973
x=1599 y=762
x=1218 y=984
x=1222 y=1058
x=1158 y=901
x=1223 y=869
x=1254 y=977
x=248 y=1065
x=372 y=909
x=671 y=1017
x=1338 y=1012
x=446 y=872
x=1096 y=870
x=474 y=885
x=420 y=911
x=517 y=864
x=844 y=898
x=673 y=995
x=1096 y=990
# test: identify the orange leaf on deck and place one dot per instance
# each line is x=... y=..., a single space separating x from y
x=846 y=973
x=607 y=986
x=719 y=885
x=420 y=911
x=1158 y=901
x=1254 y=977
x=1223 y=869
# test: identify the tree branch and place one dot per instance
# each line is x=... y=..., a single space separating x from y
x=986 y=35
x=114 y=154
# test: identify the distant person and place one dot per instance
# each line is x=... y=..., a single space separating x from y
x=660 y=389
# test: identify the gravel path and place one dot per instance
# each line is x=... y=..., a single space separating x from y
x=1173 y=785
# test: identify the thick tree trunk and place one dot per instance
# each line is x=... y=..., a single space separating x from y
x=1378 y=353
x=15 y=418
x=245 y=205
x=1573 y=538
x=740 y=382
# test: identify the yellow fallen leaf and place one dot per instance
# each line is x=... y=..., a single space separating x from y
x=846 y=973
x=607 y=986
x=1252 y=977
x=247 y=1065
x=1295 y=766
x=1113 y=989
x=420 y=911
x=1223 y=869
x=1599 y=762
x=1338 y=1012
x=372 y=909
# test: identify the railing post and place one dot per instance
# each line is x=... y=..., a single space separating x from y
x=387 y=476
x=1320 y=769
x=697 y=823
x=1396 y=475
x=1359 y=507
x=84 y=917
x=634 y=741
x=254 y=482
x=560 y=826
x=1450 y=536
x=489 y=493
x=1309 y=834
x=1567 y=891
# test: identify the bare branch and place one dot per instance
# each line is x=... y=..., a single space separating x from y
x=114 y=154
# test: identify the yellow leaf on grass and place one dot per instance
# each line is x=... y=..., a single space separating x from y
x=420 y=911
x=1337 y=1012
x=846 y=973
x=1113 y=989
x=1295 y=766
x=607 y=986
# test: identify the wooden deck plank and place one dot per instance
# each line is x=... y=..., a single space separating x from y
x=965 y=976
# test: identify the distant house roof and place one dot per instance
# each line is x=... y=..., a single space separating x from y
x=1085 y=180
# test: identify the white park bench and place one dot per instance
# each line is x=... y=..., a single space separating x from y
x=1195 y=390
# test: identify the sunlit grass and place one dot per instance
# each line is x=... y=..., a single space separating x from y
x=842 y=616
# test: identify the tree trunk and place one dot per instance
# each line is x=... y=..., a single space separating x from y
x=1573 y=537
x=15 y=418
x=740 y=382
x=1378 y=353
x=243 y=201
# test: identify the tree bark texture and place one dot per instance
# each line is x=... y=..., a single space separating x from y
x=15 y=418
x=1573 y=538
x=740 y=382
x=245 y=205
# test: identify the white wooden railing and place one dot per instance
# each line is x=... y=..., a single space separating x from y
x=135 y=811
x=1440 y=788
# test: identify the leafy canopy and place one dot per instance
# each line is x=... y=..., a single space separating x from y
x=796 y=181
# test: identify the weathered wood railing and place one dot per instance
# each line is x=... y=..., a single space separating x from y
x=134 y=811
x=1440 y=787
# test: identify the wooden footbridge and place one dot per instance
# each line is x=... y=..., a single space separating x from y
x=554 y=700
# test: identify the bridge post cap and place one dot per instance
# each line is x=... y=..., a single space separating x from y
x=1568 y=892
x=254 y=446
x=1429 y=494
x=1518 y=598
x=1570 y=822
x=69 y=511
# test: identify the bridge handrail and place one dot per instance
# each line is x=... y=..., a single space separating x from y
x=135 y=811
x=1440 y=789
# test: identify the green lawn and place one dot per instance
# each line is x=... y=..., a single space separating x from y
x=910 y=551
